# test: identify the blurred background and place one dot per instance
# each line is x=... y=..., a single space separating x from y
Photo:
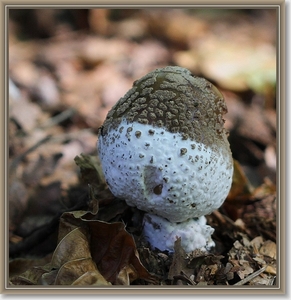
x=68 y=67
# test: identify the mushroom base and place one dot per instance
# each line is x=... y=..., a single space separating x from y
x=162 y=234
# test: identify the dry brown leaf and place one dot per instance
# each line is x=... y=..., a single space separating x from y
x=20 y=265
x=247 y=269
x=71 y=258
x=265 y=189
x=92 y=278
x=243 y=193
x=179 y=262
x=256 y=243
x=30 y=277
x=269 y=248
x=125 y=275
x=26 y=113
x=241 y=189
x=238 y=68
x=48 y=277
x=113 y=249
x=72 y=270
x=18 y=202
x=271 y=269
x=73 y=246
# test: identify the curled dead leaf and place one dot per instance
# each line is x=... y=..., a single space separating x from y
x=114 y=251
x=73 y=246
x=241 y=189
x=73 y=272
x=91 y=278
x=110 y=246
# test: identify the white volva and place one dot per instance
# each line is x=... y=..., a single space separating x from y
x=162 y=234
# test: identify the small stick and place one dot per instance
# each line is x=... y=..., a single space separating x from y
x=250 y=277
x=66 y=114
x=19 y=158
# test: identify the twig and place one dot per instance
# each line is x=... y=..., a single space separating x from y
x=250 y=277
x=55 y=138
x=20 y=157
x=70 y=135
x=66 y=114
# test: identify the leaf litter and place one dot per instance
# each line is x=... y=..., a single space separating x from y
x=65 y=226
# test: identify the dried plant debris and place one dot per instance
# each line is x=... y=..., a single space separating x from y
x=89 y=251
x=94 y=247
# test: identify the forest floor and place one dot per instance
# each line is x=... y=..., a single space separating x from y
x=67 y=69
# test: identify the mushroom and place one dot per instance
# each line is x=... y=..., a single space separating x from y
x=164 y=149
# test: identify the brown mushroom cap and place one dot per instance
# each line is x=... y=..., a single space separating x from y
x=174 y=99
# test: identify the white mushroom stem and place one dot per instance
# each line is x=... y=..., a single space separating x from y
x=162 y=234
